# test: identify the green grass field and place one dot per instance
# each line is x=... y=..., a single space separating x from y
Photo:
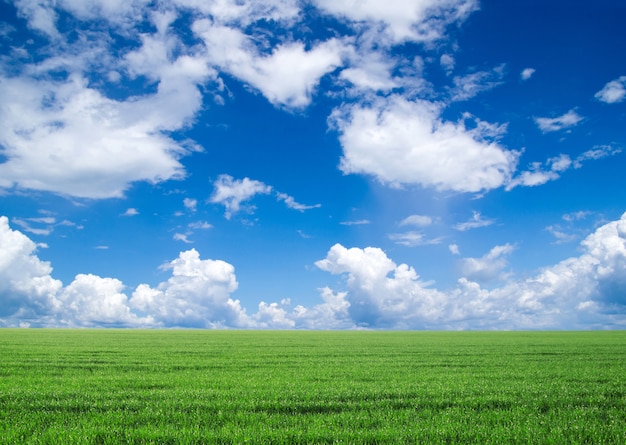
x=128 y=386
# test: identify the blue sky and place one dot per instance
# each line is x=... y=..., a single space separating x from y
x=321 y=164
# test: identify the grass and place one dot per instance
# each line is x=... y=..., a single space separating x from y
x=192 y=387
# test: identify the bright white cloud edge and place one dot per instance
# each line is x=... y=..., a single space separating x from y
x=583 y=292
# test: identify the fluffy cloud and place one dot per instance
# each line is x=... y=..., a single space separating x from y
x=381 y=293
x=27 y=290
x=406 y=142
x=67 y=138
x=567 y=120
x=580 y=292
x=402 y=20
x=288 y=76
x=196 y=295
x=613 y=92
x=231 y=192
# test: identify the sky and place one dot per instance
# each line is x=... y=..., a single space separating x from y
x=313 y=164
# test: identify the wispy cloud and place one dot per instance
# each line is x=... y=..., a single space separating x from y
x=475 y=222
x=412 y=239
x=565 y=121
x=292 y=204
x=416 y=220
x=358 y=222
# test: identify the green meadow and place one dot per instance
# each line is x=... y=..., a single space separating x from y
x=309 y=387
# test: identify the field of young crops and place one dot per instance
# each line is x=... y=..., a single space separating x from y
x=128 y=386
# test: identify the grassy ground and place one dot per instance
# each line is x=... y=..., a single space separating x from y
x=128 y=386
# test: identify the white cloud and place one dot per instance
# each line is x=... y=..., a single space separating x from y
x=597 y=152
x=203 y=225
x=292 y=204
x=613 y=92
x=288 y=76
x=190 y=204
x=66 y=135
x=232 y=193
x=560 y=234
x=578 y=293
x=92 y=301
x=402 y=20
x=196 y=295
x=475 y=222
x=27 y=290
x=527 y=73
x=567 y=120
x=583 y=292
x=381 y=293
x=470 y=85
x=67 y=138
x=359 y=222
x=454 y=249
x=182 y=237
x=488 y=267
x=447 y=62
x=131 y=212
x=406 y=142
x=412 y=239
x=539 y=174
x=37 y=226
x=369 y=70
x=576 y=216
x=242 y=14
x=416 y=220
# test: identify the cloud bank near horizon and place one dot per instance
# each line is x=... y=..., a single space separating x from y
x=587 y=291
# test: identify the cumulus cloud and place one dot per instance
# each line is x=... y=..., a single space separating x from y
x=613 y=92
x=196 y=295
x=579 y=292
x=399 y=141
x=27 y=290
x=567 y=120
x=586 y=291
x=403 y=20
x=67 y=138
